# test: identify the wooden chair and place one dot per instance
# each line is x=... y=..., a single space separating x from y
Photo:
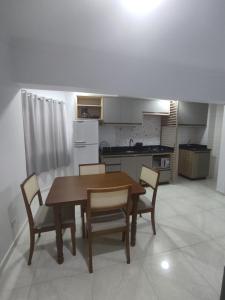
x=43 y=220
x=146 y=203
x=108 y=211
x=89 y=169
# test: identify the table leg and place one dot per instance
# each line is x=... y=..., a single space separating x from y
x=59 y=240
x=134 y=221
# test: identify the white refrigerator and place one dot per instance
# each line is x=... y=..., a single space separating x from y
x=86 y=143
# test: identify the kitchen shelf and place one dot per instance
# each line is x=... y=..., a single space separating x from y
x=89 y=107
x=161 y=169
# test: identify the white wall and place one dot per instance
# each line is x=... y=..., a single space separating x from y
x=12 y=152
x=214 y=131
x=221 y=168
x=63 y=67
x=118 y=135
x=12 y=155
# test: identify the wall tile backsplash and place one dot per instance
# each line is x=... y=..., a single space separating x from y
x=119 y=135
x=190 y=135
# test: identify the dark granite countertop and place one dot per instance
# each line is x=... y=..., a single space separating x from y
x=125 y=150
x=194 y=147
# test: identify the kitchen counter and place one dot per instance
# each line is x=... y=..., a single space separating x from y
x=143 y=150
x=194 y=147
x=131 y=160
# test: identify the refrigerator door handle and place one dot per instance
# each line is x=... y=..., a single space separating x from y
x=80 y=146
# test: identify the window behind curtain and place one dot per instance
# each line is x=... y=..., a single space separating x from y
x=45 y=133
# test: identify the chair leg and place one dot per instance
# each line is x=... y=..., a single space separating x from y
x=39 y=234
x=83 y=221
x=123 y=236
x=90 y=263
x=73 y=239
x=32 y=242
x=153 y=222
x=127 y=246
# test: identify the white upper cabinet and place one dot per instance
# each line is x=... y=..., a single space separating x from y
x=111 y=110
x=160 y=107
x=190 y=113
x=130 y=111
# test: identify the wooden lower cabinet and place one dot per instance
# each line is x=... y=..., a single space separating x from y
x=193 y=164
x=165 y=176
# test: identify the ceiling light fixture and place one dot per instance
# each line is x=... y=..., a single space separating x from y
x=165 y=265
x=140 y=7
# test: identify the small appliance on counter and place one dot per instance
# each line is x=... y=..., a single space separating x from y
x=165 y=162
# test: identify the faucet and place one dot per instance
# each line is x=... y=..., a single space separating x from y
x=130 y=142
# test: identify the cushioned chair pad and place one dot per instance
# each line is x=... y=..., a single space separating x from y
x=45 y=217
x=145 y=201
x=108 y=221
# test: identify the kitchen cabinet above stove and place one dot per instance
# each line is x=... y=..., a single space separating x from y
x=192 y=114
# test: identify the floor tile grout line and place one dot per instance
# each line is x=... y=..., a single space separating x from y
x=205 y=279
x=113 y=264
x=149 y=280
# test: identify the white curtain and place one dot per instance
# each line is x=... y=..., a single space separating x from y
x=45 y=132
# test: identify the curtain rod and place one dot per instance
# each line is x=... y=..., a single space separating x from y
x=43 y=98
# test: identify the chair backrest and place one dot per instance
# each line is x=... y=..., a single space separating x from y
x=91 y=169
x=30 y=189
x=108 y=199
x=150 y=178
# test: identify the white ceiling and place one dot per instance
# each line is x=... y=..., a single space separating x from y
x=178 y=32
x=184 y=31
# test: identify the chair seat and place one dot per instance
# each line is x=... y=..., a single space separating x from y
x=45 y=217
x=145 y=201
x=108 y=221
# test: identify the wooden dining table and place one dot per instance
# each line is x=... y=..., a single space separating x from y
x=72 y=190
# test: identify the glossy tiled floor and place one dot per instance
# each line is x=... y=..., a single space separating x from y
x=185 y=260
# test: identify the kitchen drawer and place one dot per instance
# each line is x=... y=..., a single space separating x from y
x=165 y=176
x=113 y=164
x=111 y=160
x=113 y=167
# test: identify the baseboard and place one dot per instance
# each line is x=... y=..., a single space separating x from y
x=12 y=246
